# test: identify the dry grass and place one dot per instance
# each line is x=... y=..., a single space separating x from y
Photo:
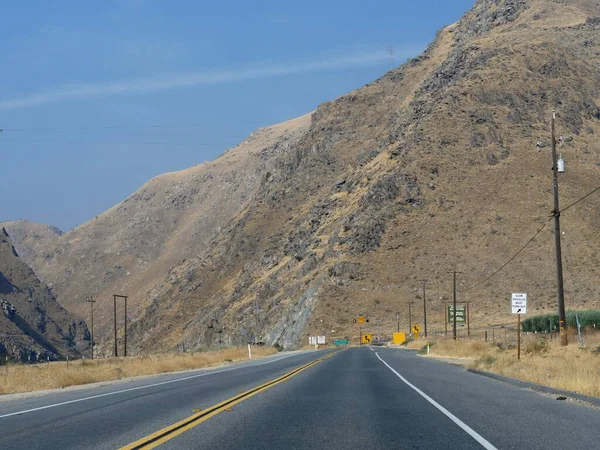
x=542 y=361
x=25 y=378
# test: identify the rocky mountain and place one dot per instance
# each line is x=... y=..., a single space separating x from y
x=441 y=164
x=130 y=248
x=33 y=325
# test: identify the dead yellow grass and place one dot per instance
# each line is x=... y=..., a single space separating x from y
x=542 y=361
x=26 y=378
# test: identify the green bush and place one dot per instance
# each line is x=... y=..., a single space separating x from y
x=587 y=319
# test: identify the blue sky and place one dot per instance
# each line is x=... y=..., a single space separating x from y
x=96 y=98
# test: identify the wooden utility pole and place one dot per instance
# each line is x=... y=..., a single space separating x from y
x=454 y=272
x=562 y=318
x=424 y=310
x=409 y=320
x=91 y=301
x=468 y=321
x=125 y=336
x=116 y=351
x=446 y=320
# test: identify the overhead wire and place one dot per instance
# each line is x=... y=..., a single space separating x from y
x=512 y=258
x=582 y=198
x=531 y=240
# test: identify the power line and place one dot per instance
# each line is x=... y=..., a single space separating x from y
x=175 y=125
x=43 y=141
x=582 y=198
x=512 y=258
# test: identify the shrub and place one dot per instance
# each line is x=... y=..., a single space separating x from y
x=423 y=350
x=537 y=347
x=485 y=361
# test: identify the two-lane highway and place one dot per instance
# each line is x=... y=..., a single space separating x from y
x=111 y=416
x=358 y=397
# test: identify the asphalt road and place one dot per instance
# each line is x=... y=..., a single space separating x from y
x=357 y=398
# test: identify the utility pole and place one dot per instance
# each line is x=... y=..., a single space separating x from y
x=125 y=336
x=562 y=318
x=378 y=330
x=446 y=320
x=409 y=320
x=116 y=351
x=468 y=321
x=424 y=309
x=91 y=301
x=454 y=272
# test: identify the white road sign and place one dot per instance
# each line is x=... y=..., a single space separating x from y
x=321 y=340
x=312 y=340
x=519 y=303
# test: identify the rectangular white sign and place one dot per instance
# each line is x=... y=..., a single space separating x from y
x=312 y=340
x=519 y=303
x=321 y=340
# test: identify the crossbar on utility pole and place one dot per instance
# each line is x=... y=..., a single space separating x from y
x=91 y=301
x=562 y=317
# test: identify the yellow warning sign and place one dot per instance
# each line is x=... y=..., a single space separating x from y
x=361 y=319
x=366 y=338
x=399 y=338
x=415 y=330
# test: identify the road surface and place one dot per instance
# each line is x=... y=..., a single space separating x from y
x=355 y=398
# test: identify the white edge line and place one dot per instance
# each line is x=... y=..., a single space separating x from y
x=140 y=387
x=470 y=431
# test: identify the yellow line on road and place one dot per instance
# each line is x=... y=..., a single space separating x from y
x=168 y=433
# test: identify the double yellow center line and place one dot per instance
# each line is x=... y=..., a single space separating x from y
x=168 y=433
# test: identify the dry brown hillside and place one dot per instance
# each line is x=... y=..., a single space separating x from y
x=32 y=324
x=430 y=168
x=129 y=248
x=441 y=164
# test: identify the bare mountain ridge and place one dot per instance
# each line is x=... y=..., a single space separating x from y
x=432 y=167
x=32 y=324
x=130 y=247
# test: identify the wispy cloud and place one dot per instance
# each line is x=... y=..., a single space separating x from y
x=82 y=91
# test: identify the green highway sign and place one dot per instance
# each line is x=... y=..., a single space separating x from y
x=460 y=314
x=341 y=342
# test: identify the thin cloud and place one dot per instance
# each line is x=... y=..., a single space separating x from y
x=182 y=80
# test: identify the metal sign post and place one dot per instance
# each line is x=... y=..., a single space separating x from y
x=519 y=306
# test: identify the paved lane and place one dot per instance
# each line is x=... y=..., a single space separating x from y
x=357 y=398
x=353 y=400
x=108 y=417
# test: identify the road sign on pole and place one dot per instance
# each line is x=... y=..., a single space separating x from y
x=321 y=340
x=361 y=319
x=519 y=303
x=460 y=313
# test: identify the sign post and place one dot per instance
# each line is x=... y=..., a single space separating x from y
x=446 y=319
x=519 y=306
